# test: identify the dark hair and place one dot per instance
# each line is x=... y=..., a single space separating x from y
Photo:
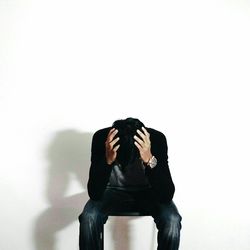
x=127 y=152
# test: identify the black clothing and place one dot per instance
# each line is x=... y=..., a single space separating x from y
x=132 y=177
x=159 y=177
x=141 y=188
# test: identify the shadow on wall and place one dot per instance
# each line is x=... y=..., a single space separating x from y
x=68 y=155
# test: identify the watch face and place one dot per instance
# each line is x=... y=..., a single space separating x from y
x=153 y=162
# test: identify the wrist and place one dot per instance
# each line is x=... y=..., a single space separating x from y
x=109 y=162
x=147 y=159
x=152 y=162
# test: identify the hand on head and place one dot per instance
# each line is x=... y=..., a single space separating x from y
x=141 y=141
x=143 y=144
x=111 y=150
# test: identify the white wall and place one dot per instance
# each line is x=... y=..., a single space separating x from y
x=68 y=68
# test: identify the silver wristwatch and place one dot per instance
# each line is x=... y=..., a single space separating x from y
x=152 y=162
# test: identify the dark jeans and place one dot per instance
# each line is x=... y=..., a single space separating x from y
x=95 y=215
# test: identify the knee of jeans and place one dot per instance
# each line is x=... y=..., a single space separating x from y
x=174 y=219
x=170 y=220
x=87 y=216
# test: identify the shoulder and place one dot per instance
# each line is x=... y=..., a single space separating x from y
x=101 y=133
x=155 y=133
x=158 y=142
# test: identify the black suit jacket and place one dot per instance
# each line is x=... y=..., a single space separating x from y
x=159 y=177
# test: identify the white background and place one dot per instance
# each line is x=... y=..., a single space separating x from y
x=68 y=68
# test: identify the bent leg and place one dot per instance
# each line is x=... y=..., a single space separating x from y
x=91 y=226
x=168 y=223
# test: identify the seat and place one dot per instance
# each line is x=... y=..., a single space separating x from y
x=123 y=213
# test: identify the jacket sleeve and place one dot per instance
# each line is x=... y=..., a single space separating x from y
x=160 y=177
x=100 y=171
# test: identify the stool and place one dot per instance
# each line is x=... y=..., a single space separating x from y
x=125 y=213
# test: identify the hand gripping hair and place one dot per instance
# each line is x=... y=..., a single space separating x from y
x=127 y=152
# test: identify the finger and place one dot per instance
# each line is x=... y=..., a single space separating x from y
x=138 y=145
x=141 y=134
x=116 y=148
x=147 y=134
x=109 y=133
x=111 y=130
x=114 y=142
x=112 y=135
x=138 y=140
